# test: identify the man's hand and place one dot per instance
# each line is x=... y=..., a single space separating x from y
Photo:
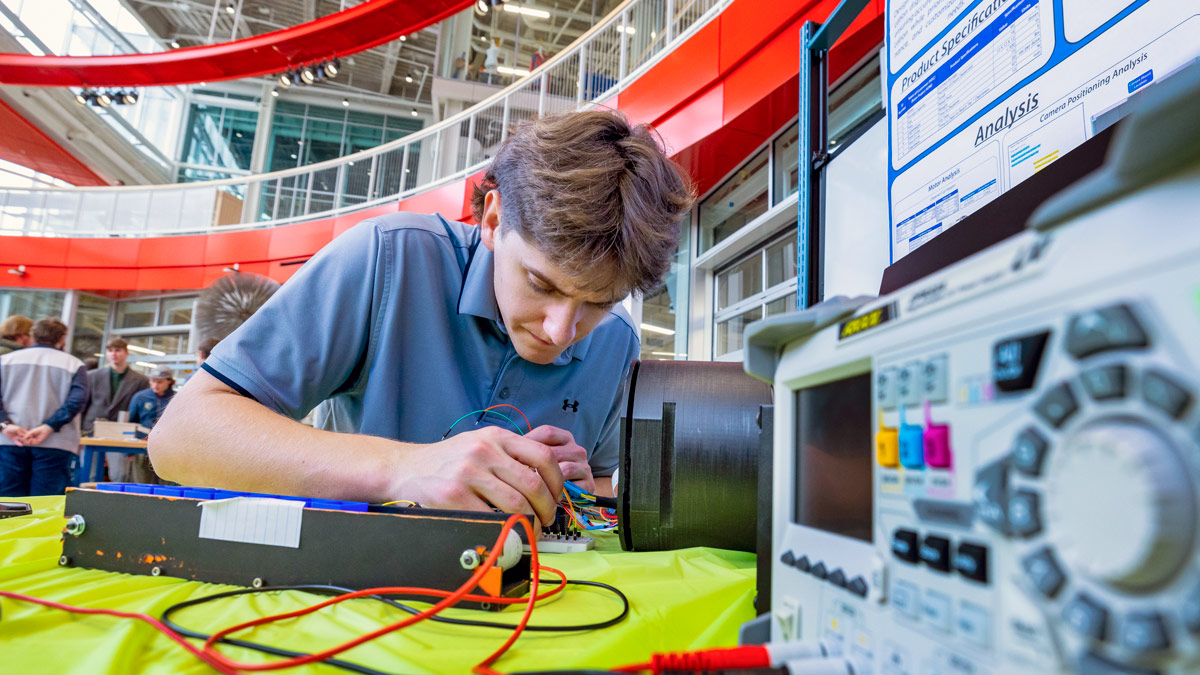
x=489 y=466
x=15 y=433
x=37 y=434
x=572 y=459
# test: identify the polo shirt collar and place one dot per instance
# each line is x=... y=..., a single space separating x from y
x=478 y=298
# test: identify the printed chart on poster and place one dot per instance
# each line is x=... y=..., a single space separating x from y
x=983 y=94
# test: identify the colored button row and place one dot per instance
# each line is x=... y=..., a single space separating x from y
x=969 y=560
x=912 y=446
x=837 y=577
x=934 y=609
x=208 y=494
x=913 y=383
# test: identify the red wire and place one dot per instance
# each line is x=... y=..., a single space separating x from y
x=505 y=405
x=449 y=600
x=209 y=655
x=217 y=663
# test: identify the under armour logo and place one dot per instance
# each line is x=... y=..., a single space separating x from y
x=568 y=404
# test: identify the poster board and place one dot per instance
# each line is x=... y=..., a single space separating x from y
x=982 y=94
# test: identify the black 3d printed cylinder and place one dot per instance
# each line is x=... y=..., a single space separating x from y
x=689 y=456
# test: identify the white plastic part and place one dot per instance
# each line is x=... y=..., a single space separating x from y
x=830 y=666
x=511 y=555
x=784 y=652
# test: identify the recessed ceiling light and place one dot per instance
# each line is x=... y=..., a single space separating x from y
x=293 y=155
x=403 y=38
x=174 y=44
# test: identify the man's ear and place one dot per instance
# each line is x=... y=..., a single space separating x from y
x=489 y=227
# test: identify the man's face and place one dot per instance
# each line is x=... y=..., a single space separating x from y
x=199 y=358
x=117 y=357
x=543 y=307
x=159 y=385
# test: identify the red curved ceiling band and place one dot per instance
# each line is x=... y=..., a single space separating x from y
x=363 y=26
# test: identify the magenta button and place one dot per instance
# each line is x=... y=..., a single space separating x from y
x=937 y=446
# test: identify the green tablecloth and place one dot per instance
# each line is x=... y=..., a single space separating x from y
x=679 y=600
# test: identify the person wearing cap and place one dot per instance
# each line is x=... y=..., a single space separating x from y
x=145 y=408
x=112 y=388
x=15 y=333
x=147 y=405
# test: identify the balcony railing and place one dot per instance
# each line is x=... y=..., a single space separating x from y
x=614 y=52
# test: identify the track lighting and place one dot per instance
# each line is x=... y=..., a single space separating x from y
x=408 y=78
x=103 y=99
x=275 y=93
x=82 y=97
x=414 y=112
x=346 y=102
x=330 y=68
x=230 y=9
x=174 y=44
x=127 y=97
x=308 y=75
x=285 y=80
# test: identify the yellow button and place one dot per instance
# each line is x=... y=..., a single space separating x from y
x=887 y=445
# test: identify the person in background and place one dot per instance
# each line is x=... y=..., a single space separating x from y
x=111 y=388
x=42 y=392
x=91 y=363
x=537 y=59
x=204 y=350
x=15 y=333
x=145 y=408
x=491 y=61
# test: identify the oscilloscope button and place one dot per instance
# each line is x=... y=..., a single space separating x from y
x=804 y=564
x=1044 y=572
x=1165 y=393
x=819 y=571
x=1143 y=632
x=935 y=552
x=1029 y=452
x=838 y=578
x=1104 y=383
x=905 y=545
x=1087 y=616
x=1023 y=515
x=1057 y=405
x=1100 y=330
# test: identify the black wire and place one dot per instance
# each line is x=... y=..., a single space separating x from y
x=337 y=590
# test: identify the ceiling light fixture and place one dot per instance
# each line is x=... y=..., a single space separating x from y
x=127 y=97
x=230 y=9
x=346 y=102
x=308 y=75
x=330 y=68
x=174 y=44
x=651 y=328
x=527 y=11
x=408 y=78
x=82 y=97
x=275 y=93
x=285 y=80
x=103 y=99
x=481 y=6
x=403 y=38
x=414 y=112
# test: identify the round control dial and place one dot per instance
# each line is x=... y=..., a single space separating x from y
x=1121 y=507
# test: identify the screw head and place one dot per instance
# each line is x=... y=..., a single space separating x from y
x=155 y=571
x=469 y=559
x=75 y=525
x=64 y=560
x=257 y=583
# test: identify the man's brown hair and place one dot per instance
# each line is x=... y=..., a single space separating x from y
x=206 y=347
x=47 y=332
x=15 y=326
x=594 y=194
x=117 y=343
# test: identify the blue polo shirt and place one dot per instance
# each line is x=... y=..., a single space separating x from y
x=396 y=322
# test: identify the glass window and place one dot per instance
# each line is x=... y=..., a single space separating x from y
x=91 y=317
x=741 y=199
x=136 y=313
x=664 y=314
x=854 y=100
x=304 y=134
x=787 y=163
x=32 y=304
x=177 y=311
x=781 y=261
x=219 y=137
x=164 y=344
x=730 y=331
x=739 y=282
x=782 y=305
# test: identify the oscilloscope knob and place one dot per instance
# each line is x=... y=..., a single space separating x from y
x=1120 y=504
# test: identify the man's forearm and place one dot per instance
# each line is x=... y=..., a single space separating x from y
x=213 y=436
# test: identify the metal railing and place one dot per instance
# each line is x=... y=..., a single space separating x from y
x=614 y=52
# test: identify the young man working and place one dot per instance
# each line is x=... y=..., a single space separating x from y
x=145 y=408
x=112 y=387
x=42 y=391
x=408 y=322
